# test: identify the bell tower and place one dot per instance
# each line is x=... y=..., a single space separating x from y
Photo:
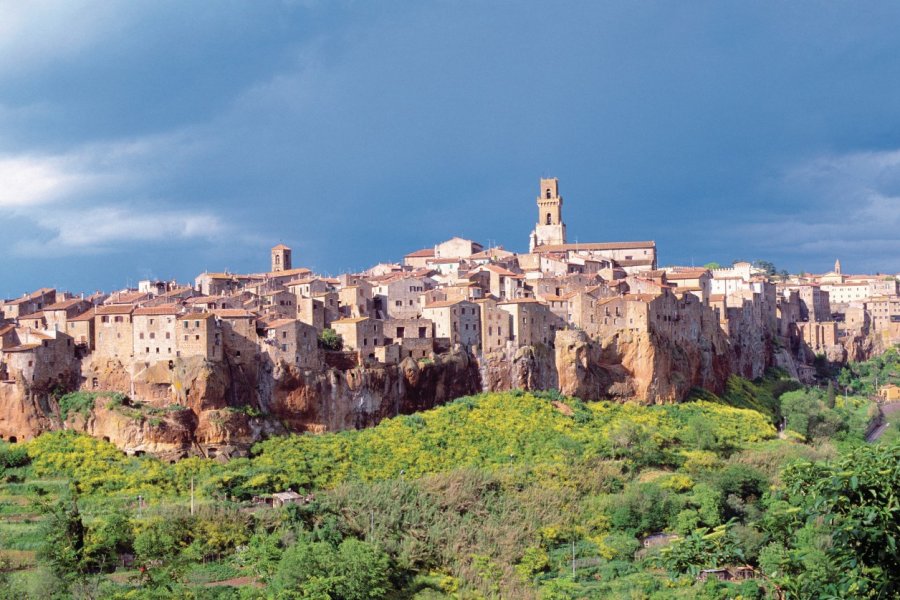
x=281 y=258
x=550 y=228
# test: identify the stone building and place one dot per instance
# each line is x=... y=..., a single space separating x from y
x=399 y=297
x=456 y=247
x=58 y=314
x=414 y=336
x=418 y=259
x=457 y=321
x=154 y=332
x=293 y=342
x=312 y=312
x=532 y=321
x=114 y=331
x=81 y=329
x=239 y=336
x=198 y=334
x=361 y=334
x=29 y=303
x=355 y=300
x=817 y=336
x=496 y=326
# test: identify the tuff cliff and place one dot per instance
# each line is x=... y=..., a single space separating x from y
x=193 y=406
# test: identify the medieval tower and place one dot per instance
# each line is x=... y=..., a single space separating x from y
x=281 y=258
x=550 y=228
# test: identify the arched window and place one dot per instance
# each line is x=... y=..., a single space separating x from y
x=548 y=193
x=277 y=259
x=549 y=219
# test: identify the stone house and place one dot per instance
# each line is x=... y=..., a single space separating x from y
x=414 y=336
x=239 y=336
x=355 y=300
x=57 y=315
x=532 y=321
x=40 y=357
x=279 y=302
x=419 y=258
x=308 y=287
x=457 y=247
x=293 y=342
x=360 y=334
x=691 y=280
x=457 y=321
x=399 y=297
x=503 y=283
x=29 y=303
x=81 y=329
x=312 y=312
x=198 y=334
x=817 y=336
x=330 y=304
x=113 y=329
x=496 y=326
x=154 y=332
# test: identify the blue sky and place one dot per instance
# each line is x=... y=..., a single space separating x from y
x=164 y=138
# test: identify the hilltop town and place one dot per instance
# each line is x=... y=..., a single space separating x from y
x=231 y=358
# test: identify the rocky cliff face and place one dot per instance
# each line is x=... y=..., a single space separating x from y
x=642 y=366
x=192 y=406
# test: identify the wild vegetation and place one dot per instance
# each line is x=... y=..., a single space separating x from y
x=505 y=495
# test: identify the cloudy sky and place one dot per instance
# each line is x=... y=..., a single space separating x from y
x=161 y=139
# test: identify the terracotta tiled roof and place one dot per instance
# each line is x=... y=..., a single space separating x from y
x=281 y=247
x=233 y=313
x=166 y=309
x=195 y=316
x=64 y=305
x=350 y=320
x=22 y=348
x=444 y=303
x=115 y=309
x=29 y=297
x=278 y=323
x=423 y=253
x=521 y=301
x=85 y=316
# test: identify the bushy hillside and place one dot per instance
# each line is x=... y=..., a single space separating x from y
x=510 y=495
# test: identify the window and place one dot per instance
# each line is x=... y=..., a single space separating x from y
x=549 y=219
x=167 y=335
x=152 y=336
x=151 y=321
x=141 y=336
x=548 y=193
x=197 y=337
x=186 y=324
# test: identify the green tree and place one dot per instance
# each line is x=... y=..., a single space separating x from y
x=62 y=546
x=848 y=532
x=355 y=570
x=329 y=339
x=712 y=266
x=765 y=266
